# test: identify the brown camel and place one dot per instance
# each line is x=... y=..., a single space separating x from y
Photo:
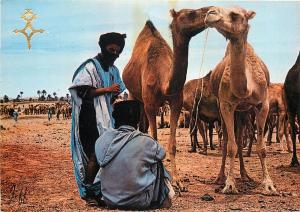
x=292 y=93
x=208 y=109
x=278 y=106
x=155 y=75
x=277 y=117
x=240 y=81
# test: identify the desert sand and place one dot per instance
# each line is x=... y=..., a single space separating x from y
x=37 y=173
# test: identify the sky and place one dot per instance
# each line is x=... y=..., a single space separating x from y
x=72 y=29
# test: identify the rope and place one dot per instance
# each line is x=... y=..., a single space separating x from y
x=201 y=93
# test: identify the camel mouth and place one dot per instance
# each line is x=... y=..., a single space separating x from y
x=212 y=18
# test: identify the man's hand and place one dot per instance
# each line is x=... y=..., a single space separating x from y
x=114 y=88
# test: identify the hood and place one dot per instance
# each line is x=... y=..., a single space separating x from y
x=111 y=143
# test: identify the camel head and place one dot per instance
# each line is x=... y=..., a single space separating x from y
x=230 y=22
x=188 y=22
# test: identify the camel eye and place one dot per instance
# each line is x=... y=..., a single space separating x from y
x=234 y=16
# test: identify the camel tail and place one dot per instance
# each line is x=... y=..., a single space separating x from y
x=151 y=26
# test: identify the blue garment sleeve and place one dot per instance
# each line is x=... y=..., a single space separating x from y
x=153 y=151
x=84 y=76
x=118 y=79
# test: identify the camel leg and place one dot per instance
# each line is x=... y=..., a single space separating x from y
x=162 y=120
x=248 y=154
x=293 y=126
x=286 y=134
x=252 y=138
x=267 y=129
x=220 y=180
x=202 y=131
x=227 y=112
x=143 y=124
x=261 y=117
x=270 y=132
x=239 y=139
x=175 y=106
x=210 y=130
x=150 y=111
x=280 y=129
x=219 y=132
x=193 y=135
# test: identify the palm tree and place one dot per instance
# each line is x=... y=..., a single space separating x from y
x=54 y=94
x=39 y=93
x=44 y=92
x=5 y=98
x=21 y=93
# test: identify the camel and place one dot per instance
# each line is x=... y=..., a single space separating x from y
x=184 y=119
x=240 y=81
x=155 y=75
x=277 y=117
x=292 y=93
x=278 y=106
x=208 y=109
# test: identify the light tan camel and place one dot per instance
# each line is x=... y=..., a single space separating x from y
x=278 y=106
x=155 y=75
x=240 y=81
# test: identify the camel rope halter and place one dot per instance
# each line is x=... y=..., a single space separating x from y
x=201 y=93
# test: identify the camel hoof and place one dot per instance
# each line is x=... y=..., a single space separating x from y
x=269 y=188
x=229 y=187
x=220 y=180
x=204 y=152
x=192 y=150
x=246 y=178
x=295 y=163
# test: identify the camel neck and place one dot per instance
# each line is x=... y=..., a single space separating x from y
x=238 y=75
x=178 y=72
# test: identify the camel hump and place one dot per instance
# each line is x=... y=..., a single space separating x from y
x=207 y=76
x=298 y=59
x=151 y=26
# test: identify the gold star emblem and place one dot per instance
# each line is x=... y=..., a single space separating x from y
x=28 y=31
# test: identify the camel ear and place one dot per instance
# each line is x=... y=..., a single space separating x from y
x=250 y=14
x=173 y=13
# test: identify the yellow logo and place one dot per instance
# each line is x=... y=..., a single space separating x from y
x=28 y=31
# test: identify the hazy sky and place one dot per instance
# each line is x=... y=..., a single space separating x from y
x=72 y=29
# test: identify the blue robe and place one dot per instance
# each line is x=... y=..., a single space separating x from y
x=131 y=172
x=90 y=73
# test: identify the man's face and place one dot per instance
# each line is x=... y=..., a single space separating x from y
x=111 y=53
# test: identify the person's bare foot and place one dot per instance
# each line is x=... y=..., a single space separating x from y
x=92 y=202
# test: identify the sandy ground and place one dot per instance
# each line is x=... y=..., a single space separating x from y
x=37 y=173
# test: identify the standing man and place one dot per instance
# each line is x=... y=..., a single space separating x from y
x=49 y=114
x=15 y=115
x=95 y=84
